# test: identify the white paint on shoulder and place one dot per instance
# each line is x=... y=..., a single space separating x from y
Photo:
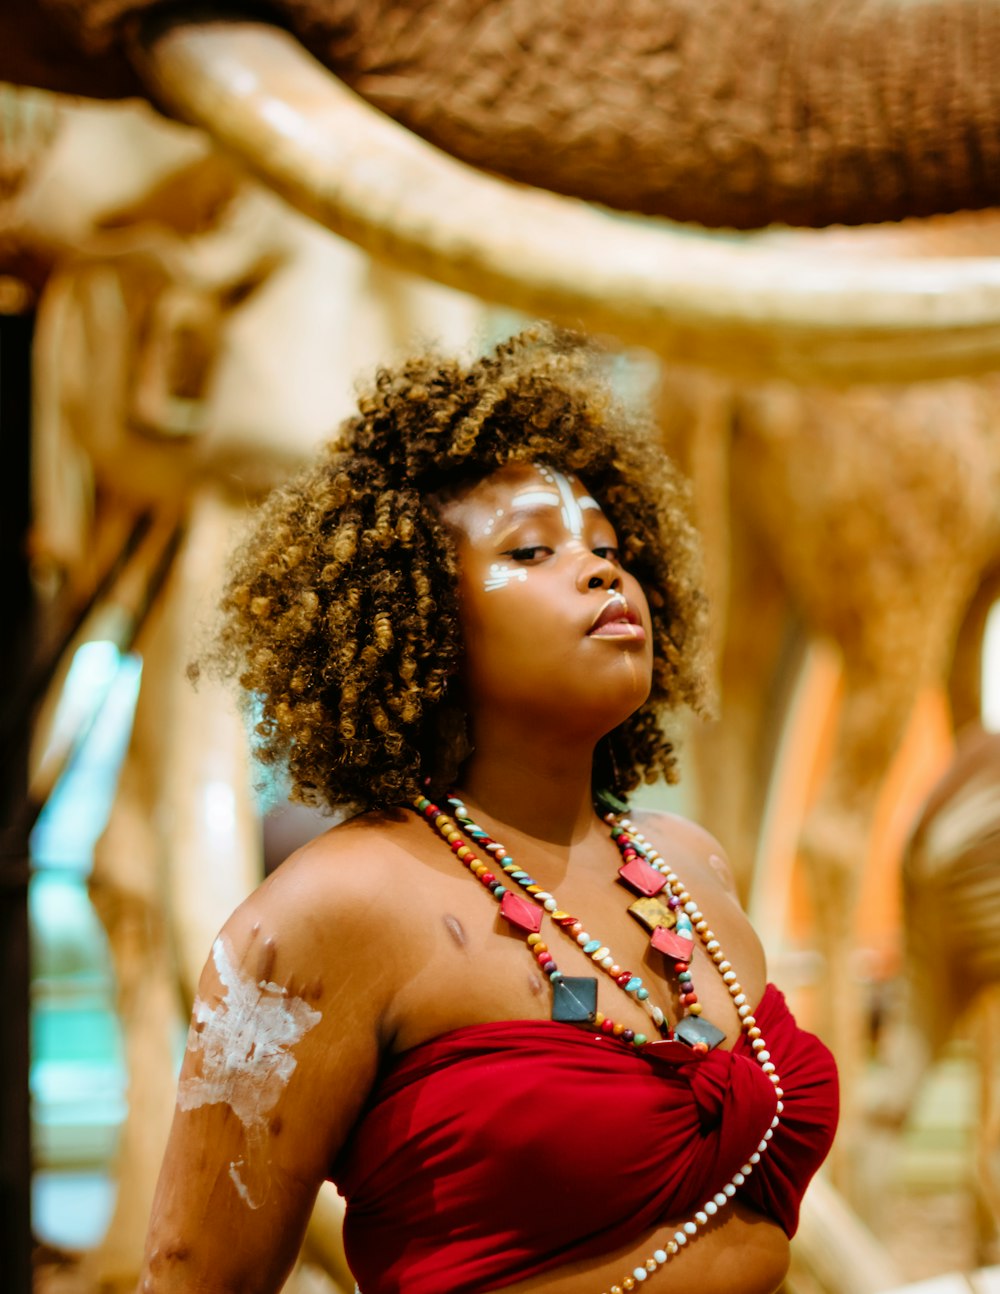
x=245 y=1044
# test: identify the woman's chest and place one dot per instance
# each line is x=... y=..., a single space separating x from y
x=473 y=964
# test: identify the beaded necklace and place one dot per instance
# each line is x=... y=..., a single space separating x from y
x=672 y=924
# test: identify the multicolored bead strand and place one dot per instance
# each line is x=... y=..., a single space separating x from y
x=690 y=922
x=595 y=949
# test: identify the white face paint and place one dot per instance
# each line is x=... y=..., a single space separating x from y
x=490 y=525
x=245 y=1046
x=572 y=508
x=562 y=497
x=501 y=575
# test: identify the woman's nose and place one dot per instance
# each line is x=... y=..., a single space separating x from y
x=599 y=573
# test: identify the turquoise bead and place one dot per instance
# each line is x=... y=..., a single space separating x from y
x=642 y=994
x=592 y=947
x=634 y=983
x=499 y=891
x=507 y=861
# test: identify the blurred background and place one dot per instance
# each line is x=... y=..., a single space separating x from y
x=784 y=231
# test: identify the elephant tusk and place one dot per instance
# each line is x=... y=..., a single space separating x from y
x=752 y=305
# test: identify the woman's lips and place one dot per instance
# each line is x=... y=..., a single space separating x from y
x=620 y=629
x=616 y=619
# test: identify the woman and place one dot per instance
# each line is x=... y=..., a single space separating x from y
x=464 y=622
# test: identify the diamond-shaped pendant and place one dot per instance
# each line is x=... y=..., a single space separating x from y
x=695 y=1028
x=653 y=914
x=668 y=1052
x=574 y=999
x=672 y=945
x=640 y=877
x=520 y=913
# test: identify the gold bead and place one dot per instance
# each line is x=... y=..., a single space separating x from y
x=651 y=1264
x=628 y=1283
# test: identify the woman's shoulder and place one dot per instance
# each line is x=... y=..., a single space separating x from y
x=335 y=899
x=687 y=844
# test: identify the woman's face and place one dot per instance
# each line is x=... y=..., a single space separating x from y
x=553 y=623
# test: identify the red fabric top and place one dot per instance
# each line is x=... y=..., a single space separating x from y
x=498 y=1151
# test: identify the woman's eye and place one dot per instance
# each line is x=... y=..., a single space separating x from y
x=608 y=551
x=530 y=553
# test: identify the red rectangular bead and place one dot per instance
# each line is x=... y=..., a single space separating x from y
x=672 y=945
x=668 y=1051
x=639 y=876
x=519 y=912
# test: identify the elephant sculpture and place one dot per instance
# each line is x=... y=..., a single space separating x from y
x=775 y=303
x=728 y=112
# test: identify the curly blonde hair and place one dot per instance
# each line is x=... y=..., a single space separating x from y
x=340 y=617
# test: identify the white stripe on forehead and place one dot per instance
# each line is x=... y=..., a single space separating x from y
x=572 y=507
x=536 y=498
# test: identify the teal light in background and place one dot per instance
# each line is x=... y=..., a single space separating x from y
x=77 y=1071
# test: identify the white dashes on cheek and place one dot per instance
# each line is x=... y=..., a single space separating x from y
x=501 y=575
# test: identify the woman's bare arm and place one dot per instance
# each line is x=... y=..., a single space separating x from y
x=282 y=1050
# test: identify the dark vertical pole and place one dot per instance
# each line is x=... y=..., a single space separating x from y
x=16 y=637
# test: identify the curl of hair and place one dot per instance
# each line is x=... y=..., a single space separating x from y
x=340 y=617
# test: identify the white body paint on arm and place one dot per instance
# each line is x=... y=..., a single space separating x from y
x=245 y=1046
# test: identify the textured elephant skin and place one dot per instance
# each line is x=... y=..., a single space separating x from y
x=727 y=112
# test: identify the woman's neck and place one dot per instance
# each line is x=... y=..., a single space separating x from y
x=538 y=788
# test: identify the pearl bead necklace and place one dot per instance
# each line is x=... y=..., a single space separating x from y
x=748 y=1023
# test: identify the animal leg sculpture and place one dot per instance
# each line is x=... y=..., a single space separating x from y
x=965 y=683
x=748 y=613
x=987 y=1170
x=183 y=824
x=733 y=757
x=834 y=849
x=952 y=866
x=212 y=851
x=125 y=890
